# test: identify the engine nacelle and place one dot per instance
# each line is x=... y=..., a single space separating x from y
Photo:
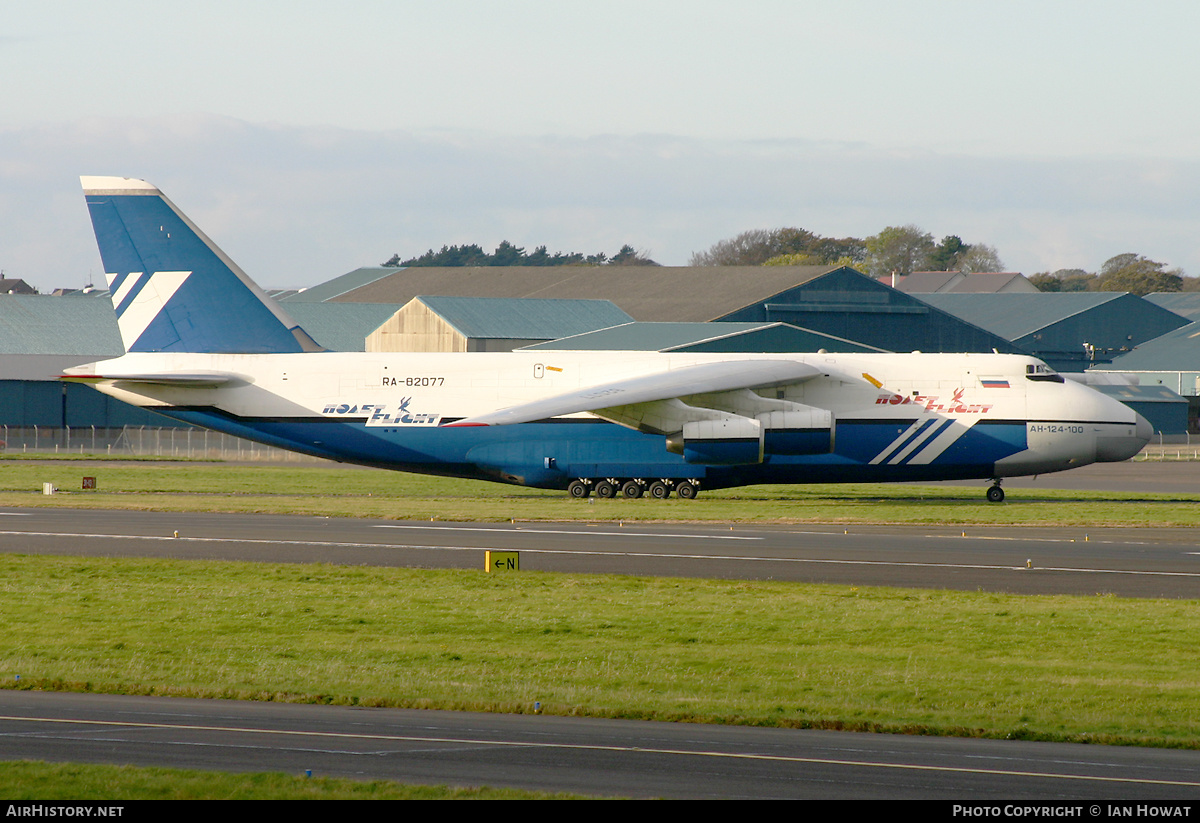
x=806 y=431
x=734 y=441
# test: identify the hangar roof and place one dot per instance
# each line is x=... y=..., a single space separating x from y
x=341 y=326
x=42 y=324
x=1069 y=330
x=832 y=300
x=660 y=293
x=958 y=282
x=708 y=337
x=1186 y=303
x=523 y=319
x=1013 y=316
x=76 y=325
x=1178 y=350
x=338 y=286
x=1141 y=394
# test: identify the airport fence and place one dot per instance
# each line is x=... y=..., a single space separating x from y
x=141 y=441
x=1171 y=447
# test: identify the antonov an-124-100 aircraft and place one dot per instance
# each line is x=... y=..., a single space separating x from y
x=206 y=346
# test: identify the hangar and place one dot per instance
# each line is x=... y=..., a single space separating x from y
x=40 y=336
x=479 y=324
x=743 y=308
x=831 y=300
x=1071 y=331
x=1170 y=362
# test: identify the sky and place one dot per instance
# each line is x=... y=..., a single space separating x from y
x=310 y=138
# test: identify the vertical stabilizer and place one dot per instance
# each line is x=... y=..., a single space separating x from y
x=172 y=288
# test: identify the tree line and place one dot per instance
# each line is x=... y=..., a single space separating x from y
x=896 y=249
x=507 y=254
x=1124 y=272
x=899 y=249
x=905 y=249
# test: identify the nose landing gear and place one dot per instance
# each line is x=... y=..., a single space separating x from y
x=995 y=494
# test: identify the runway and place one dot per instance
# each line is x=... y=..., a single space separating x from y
x=607 y=757
x=1127 y=562
x=1145 y=476
x=578 y=755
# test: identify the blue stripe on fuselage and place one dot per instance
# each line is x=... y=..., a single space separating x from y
x=589 y=448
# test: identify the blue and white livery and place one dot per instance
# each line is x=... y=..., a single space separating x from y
x=208 y=347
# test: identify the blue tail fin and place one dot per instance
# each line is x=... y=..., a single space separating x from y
x=173 y=289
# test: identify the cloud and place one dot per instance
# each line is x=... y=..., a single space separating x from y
x=296 y=206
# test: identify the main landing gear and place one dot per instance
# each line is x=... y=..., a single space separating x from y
x=631 y=488
x=995 y=494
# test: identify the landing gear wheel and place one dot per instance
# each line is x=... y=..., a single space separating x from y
x=605 y=490
x=995 y=494
x=659 y=490
x=687 y=491
x=631 y=490
x=578 y=489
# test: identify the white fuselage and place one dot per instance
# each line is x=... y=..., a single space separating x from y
x=933 y=399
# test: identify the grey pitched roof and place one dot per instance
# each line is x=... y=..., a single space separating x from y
x=341 y=285
x=726 y=337
x=341 y=326
x=1178 y=350
x=1013 y=316
x=523 y=318
x=955 y=282
x=42 y=324
x=647 y=336
x=1141 y=394
x=661 y=293
x=87 y=325
x=1185 y=303
x=15 y=285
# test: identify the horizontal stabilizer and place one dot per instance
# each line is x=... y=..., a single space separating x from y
x=183 y=381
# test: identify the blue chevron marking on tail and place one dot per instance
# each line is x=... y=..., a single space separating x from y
x=173 y=289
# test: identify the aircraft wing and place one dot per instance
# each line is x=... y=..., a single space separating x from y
x=703 y=378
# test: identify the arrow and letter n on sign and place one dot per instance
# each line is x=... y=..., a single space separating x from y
x=501 y=561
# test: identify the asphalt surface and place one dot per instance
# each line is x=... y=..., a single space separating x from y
x=1126 y=562
x=1149 y=476
x=622 y=758
x=578 y=755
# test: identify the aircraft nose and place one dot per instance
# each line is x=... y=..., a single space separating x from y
x=1123 y=442
x=1144 y=430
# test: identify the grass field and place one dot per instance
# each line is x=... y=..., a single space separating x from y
x=24 y=781
x=929 y=662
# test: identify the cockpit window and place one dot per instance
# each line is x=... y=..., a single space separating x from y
x=1041 y=373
